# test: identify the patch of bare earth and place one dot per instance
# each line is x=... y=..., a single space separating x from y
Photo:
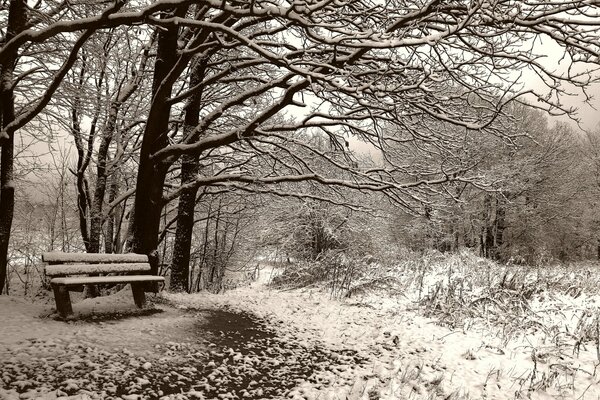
x=163 y=352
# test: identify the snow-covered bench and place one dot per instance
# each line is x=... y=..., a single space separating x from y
x=71 y=271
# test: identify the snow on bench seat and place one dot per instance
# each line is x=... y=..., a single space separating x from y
x=59 y=257
x=70 y=271
x=93 y=280
x=85 y=269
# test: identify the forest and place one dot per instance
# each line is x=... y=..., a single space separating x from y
x=351 y=145
x=216 y=133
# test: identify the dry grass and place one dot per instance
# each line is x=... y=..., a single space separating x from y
x=554 y=309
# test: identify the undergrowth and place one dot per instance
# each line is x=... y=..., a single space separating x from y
x=553 y=310
x=462 y=289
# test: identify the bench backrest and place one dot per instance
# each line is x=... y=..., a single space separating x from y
x=63 y=264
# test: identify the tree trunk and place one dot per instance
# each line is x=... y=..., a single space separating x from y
x=180 y=267
x=487 y=237
x=111 y=237
x=7 y=201
x=17 y=20
x=83 y=159
x=148 y=202
x=500 y=225
x=108 y=133
x=213 y=279
x=493 y=226
x=100 y=189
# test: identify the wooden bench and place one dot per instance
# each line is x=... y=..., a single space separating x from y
x=71 y=271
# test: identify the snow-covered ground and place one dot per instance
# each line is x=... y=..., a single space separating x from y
x=409 y=356
x=450 y=330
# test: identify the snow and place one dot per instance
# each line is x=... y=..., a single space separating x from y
x=82 y=269
x=372 y=346
x=81 y=280
x=59 y=257
x=411 y=356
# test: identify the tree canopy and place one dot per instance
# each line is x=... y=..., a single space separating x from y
x=240 y=91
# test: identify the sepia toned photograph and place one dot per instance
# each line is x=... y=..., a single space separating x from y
x=299 y=199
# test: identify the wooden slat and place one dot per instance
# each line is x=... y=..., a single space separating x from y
x=92 y=280
x=81 y=269
x=58 y=257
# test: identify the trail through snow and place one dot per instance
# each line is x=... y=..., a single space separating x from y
x=201 y=350
x=258 y=343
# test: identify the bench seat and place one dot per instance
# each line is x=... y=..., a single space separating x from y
x=85 y=269
x=96 y=280
x=55 y=257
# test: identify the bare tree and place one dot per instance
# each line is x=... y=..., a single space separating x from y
x=16 y=23
x=180 y=266
x=527 y=203
x=346 y=70
x=362 y=77
x=105 y=89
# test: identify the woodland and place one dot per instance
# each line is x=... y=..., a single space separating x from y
x=218 y=133
x=347 y=199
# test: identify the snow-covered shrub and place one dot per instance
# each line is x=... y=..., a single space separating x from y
x=334 y=270
x=558 y=302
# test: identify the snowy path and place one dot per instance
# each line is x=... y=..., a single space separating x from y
x=260 y=344
x=204 y=353
x=404 y=355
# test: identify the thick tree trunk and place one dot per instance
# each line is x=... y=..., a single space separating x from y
x=17 y=20
x=180 y=267
x=148 y=203
x=7 y=203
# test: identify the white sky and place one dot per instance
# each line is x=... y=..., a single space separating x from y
x=586 y=112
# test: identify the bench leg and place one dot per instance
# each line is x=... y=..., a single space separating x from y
x=138 y=294
x=63 y=300
x=151 y=287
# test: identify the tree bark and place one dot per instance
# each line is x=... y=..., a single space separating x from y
x=214 y=264
x=112 y=237
x=180 y=267
x=17 y=21
x=148 y=202
x=7 y=198
x=83 y=159
x=100 y=189
x=486 y=238
x=493 y=226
